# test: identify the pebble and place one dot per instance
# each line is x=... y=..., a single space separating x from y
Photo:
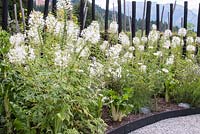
x=184 y=105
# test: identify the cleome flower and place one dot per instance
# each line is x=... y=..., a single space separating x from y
x=170 y=60
x=197 y=40
x=64 y=4
x=124 y=39
x=182 y=32
x=167 y=44
x=136 y=41
x=144 y=39
x=190 y=40
x=153 y=36
x=191 y=48
x=61 y=58
x=36 y=19
x=17 y=39
x=113 y=27
x=176 y=41
x=167 y=33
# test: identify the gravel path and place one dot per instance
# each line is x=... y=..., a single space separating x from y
x=180 y=125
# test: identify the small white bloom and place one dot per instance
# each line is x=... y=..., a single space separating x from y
x=197 y=40
x=176 y=41
x=136 y=41
x=96 y=69
x=140 y=47
x=61 y=58
x=144 y=39
x=17 y=39
x=153 y=36
x=191 y=48
x=31 y=54
x=114 y=51
x=168 y=33
x=190 y=40
x=124 y=39
x=64 y=4
x=154 y=27
x=170 y=60
x=143 y=68
x=182 y=32
x=36 y=19
x=165 y=70
x=113 y=27
x=158 y=53
x=167 y=44
x=131 y=48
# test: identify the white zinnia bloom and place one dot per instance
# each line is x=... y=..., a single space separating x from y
x=190 y=40
x=167 y=44
x=176 y=41
x=17 y=39
x=113 y=27
x=197 y=40
x=92 y=33
x=136 y=41
x=165 y=70
x=182 y=32
x=170 y=60
x=144 y=39
x=64 y=4
x=17 y=54
x=124 y=39
x=191 y=48
x=167 y=33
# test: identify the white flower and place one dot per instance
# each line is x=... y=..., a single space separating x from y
x=191 y=48
x=143 y=68
x=61 y=58
x=64 y=4
x=154 y=27
x=167 y=44
x=96 y=69
x=124 y=39
x=170 y=60
x=50 y=22
x=31 y=54
x=190 y=40
x=158 y=53
x=140 y=47
x=182 y=32
x=104 y=45
x=144 y=39
x=17 y=54
x=33 y=35
x=165 y=70
x=131 y=48
x=72 y=30
x=168 y=33
x=113 y=27
x=17 y=39
x=36 y=19
x=59 y=28
x=114 y=51
x=92 y=33
x=150 y=47
x=115 y=72
x=136 y=41
x=197 y=40
x=153 y=36
x=128 y=56
x=176 y=41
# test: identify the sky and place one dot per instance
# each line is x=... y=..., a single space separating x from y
x=192 y=4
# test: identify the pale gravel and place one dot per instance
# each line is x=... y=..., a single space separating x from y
x=181 y=125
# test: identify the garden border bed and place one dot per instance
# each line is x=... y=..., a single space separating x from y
x=127 y=128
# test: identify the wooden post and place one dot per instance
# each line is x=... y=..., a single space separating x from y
x=158 y=16
x=133 y=29
x=143 y=17
x=162 y=14
x=81 y=14
x=124 y=15
x=198 y=23
x=93 y=9
x=171 y=17
x=106 y=19
x=46 y=8
x=148 y=18
x=119 y=16
x=185 y=26
x=54 y=8
x=5 y=15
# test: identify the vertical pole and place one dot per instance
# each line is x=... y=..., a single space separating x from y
x=106 y=19
x=46 y=8
x=81 y=14
x=133 y=29
x=30 y=9
x=162 y=14
x=54 y=8
x=119 y=16
x=198 y=23
x=185 y=26
x=148 y=17
x=93 y=9
x=5 y=15
x=171 y=17
x=143 y=16
x=124 y=15
x=158 y=16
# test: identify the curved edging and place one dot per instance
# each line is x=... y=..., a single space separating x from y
x=127 y=128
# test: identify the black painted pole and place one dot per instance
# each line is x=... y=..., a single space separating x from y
x=54 y=8
x=148 y=18
x=133 y=28
x=106 y=19
x=119 y=16
x=5 y=15
x=185 y=26
x=158 y=16
x=29 y=10
x=46 y=8
x=171 y=17
x=81 y=14
x=198 y=23
x=93 y=9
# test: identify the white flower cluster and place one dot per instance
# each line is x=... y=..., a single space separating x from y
x=191 y=48
x=144 y=40
x=36 y=19
x=116 y=71
x=167 y=44
x=62 y=58
x=176 y=41
x=182 y=32
x=92 y=33
x=167 y=33
x=114 y=51
x=197 y=40
x=96 y=69
x=190 y=40
x=143 y=68
x=72 y=30
x=17 y=39
x=153 y=36
x=170 y=60
x=113 y=27
x=124 y=39
x=104 y=46
x=64 y=4
x=50 y=22
x=136 y=41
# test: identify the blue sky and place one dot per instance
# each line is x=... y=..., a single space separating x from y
x=193 y=4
